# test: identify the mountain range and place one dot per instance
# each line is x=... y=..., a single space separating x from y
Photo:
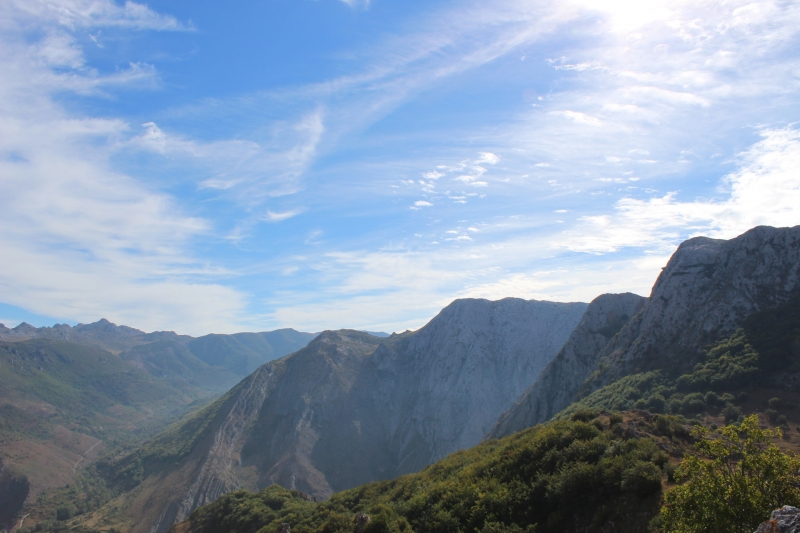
x=718 y=336
x=69 y=395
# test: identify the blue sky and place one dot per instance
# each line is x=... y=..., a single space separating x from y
x=210 y=167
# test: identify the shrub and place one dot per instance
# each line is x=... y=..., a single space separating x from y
x=731 y=413
x=583 y=415
x=732 y=485
x=615 y=418
x=772 y=414
x=642 y=478
x=657 y=403
x=781 y=420
x=711 y=398
x=693 y=403
x=774 y=403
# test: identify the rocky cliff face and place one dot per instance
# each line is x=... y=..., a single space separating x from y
x=558 y=383
x=706 y=291
x=351 y=408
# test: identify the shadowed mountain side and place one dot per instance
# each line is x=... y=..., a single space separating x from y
x=706 y=291
x=558 y=383
x=352 y=407
x=175 y=363
x=424 y=395
x=242 y=353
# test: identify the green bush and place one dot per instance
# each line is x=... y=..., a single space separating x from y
x=527 y=482
x=732 y=485
x=774 y=403
x=693 y=403
x=772 y=415
x=731 y=413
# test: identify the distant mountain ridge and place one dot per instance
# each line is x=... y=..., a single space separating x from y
x=352 y=407
x=215 y=362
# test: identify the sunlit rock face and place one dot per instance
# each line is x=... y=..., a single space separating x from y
x=707 y=290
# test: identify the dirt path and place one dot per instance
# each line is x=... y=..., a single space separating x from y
x=21 y=520
x=83 y=456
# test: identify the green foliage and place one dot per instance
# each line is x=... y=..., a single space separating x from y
x=733 y=484
x=731 y=363
x=171 y=445
x=564 y=476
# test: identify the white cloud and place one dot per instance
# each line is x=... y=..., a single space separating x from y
x=86 y=240
x=765 y=190
x=422 y=203
x=251 y=171
x=580 y=118
x=272 y=216
x=95 y=13
x=487 y=157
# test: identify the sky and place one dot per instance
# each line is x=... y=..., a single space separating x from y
x=320 y=164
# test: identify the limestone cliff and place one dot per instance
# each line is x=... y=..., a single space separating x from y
x=706 y=291
x=558 y=383
x=351 y=408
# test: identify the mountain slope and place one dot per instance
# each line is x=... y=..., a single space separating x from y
x=709 y=288
x=557 y=385
x=570 y=476
x=351 y=407
x=62 y=403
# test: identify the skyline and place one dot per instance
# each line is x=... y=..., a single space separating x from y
x=328 y=164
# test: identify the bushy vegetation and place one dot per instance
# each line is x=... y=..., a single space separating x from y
x=728 y=366
x=171 y=445
x=571 y=475
x=734 y=482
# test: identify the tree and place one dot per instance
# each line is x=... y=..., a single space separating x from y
x=734 y=482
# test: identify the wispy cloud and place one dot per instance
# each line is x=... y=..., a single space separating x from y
x=272 y=216
x=87 y=240
x=764 y=190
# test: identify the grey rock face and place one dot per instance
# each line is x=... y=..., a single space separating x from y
x=783 y=520
x=352 y=408
x=423 y=396
x=557 y=384
x=708 y=288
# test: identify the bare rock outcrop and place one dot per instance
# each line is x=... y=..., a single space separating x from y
x=706 y=291
x=558 y=383
x=783 y=520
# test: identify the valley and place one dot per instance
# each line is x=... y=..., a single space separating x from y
x=494 y=416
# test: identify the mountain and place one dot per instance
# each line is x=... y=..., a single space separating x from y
x=102 y=333
x=70 y=395
x=588 y=475
x=62 y=403
x=351 y=408
x=708 y=290
x=556 y=386
x=212 y=362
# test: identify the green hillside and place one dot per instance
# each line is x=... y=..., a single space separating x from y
x=574 y=475
x=756 y=360
x=63 y=405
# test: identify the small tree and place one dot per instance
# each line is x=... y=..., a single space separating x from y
x=739 y=480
